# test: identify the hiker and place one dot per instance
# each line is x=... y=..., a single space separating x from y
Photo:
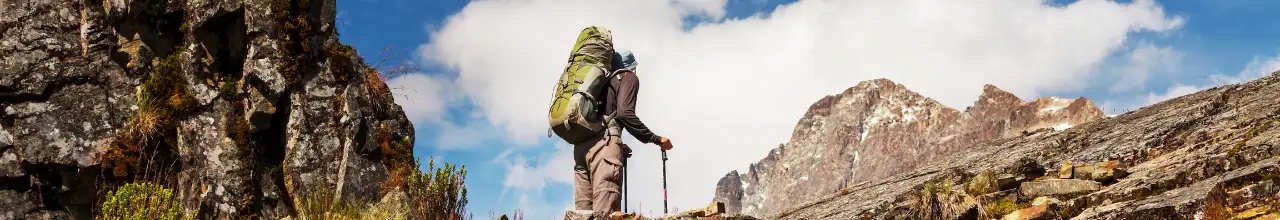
x=597 y=163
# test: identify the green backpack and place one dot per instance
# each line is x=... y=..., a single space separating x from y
x=575 y=113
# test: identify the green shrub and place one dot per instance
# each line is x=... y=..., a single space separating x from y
x=439 y=193
x=141 y=201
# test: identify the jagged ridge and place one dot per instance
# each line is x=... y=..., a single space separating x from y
x=1212 y=154
x=878 y=129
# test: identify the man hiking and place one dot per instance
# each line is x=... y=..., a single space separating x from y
x=598 y=161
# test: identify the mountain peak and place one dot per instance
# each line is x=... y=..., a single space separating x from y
x=874 y=85
x=1177 y=147
x=994 y=95
x=877 y=129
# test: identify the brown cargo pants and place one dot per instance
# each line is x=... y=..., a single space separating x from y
x=597 y=174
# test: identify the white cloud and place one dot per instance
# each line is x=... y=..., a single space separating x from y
x=727 y=92
x=423 y=97
x=533 y=175
x=1142 y=62
x=1257 y=68
x=707 y=8
x=527 y=178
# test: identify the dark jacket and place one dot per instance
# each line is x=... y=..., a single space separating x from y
x=623 y=89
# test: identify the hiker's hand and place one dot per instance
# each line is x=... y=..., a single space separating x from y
x=665 y=143
x=626 y=150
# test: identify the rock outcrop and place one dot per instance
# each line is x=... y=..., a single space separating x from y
x=879 y=129
x=247 y=107
x=1214 y=154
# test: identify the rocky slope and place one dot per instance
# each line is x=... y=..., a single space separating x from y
x=1214 y=154
x=879 y=129
x=246 y=107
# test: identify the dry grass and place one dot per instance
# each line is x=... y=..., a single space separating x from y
x=296 y=29
x=378 y=90
x=377 y=73
x=937 y=200
x=397 y=157
x=146 y=139
x=1001 y=206
x=439 y=194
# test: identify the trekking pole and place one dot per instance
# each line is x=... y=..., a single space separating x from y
x=664 y=182
x=624 y=185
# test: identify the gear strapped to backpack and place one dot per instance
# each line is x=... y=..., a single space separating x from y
x=576 y=112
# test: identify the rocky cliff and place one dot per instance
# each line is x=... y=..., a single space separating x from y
x=1214 y=154
x=880 y=129
x=246 y=107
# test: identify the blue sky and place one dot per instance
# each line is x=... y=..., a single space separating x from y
x=1214 y=38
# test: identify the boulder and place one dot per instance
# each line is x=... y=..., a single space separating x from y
x=1058 y=187
x=1066 y=171
x=581 y=215
x=1251 y=192
x=1007 y=181
x=715 y=208
x=1042 y=208
x=1102 y=172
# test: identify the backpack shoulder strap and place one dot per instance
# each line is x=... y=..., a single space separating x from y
x=611 y=125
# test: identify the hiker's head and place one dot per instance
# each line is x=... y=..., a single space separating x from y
x=623 y=59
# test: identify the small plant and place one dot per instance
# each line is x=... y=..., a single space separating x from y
x=227 y=88
x=296 y=29
x=1002 y=206
x=378 y=90
x=439 y=193
x=397 y=156
x=983 y=183
x=141 y=200
x=377 y=73
x=339 y=56
x=323 y=206
x=937 y=200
